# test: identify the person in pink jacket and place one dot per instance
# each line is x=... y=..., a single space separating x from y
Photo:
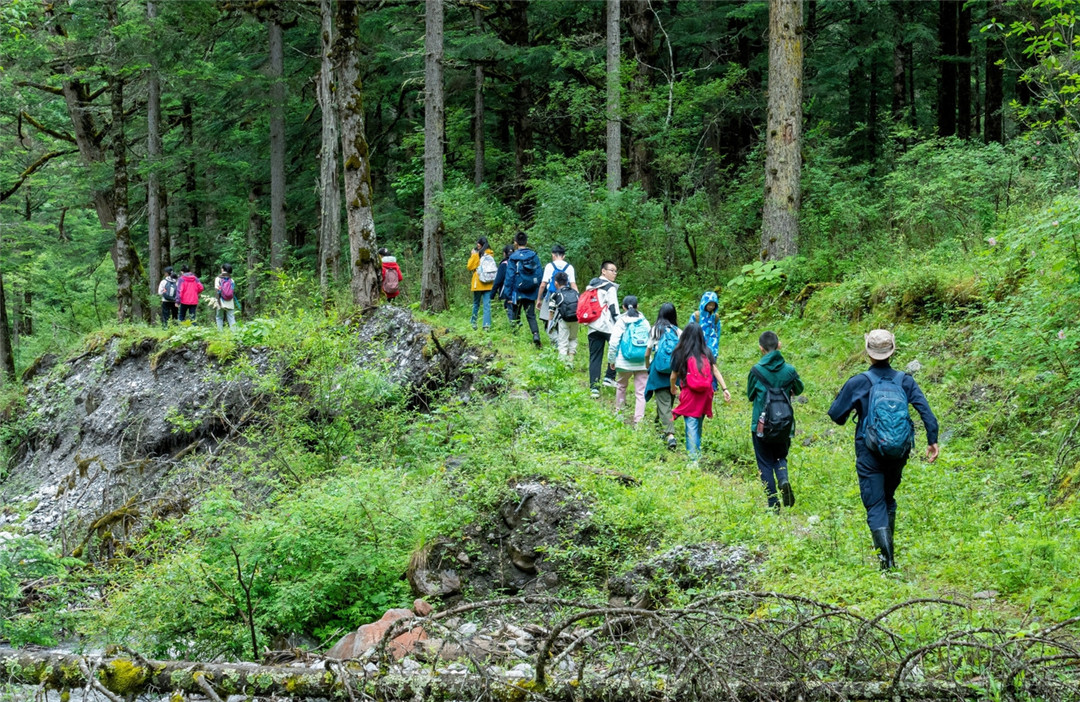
x=188 y=293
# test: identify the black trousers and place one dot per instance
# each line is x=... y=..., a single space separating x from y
x=168 y=311
x=597 y=358
x=772 y=464
x=529 y=306
x=188 y=311
x=878 y=479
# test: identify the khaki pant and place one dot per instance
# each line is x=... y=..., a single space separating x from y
x=564 y=337
x=663 y=409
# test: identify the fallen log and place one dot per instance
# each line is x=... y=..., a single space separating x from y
x=127 y=677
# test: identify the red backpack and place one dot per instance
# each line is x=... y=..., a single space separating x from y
x=588 y=306
x=700 y=378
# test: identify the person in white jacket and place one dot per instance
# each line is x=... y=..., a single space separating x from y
x=626 y=355
x=600 y=330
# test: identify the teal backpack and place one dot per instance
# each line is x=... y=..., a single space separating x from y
x=634 y=342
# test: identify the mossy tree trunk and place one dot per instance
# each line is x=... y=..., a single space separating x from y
x=478 y=108
x=433 y=281
x=254 y=232
x=994 y=85
x=277 y=144
x=7 y=356
x=783 y=138
x=329 y=183
x=614 y=122
x=363 y=260
x=153 y=156
x=131 y=283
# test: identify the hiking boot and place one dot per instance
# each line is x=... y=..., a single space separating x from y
x=883 y=542
x=787 y=495
x=672 y=444
x=536 y=341
x=595 y=393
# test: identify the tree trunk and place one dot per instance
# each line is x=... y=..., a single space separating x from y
x=130 y=291
x=963 y=73
x=642 y=24
x=521 y=116
x=153 y=156
x=783 y=138
x=363 y=261
x=7 y=356
x=192 y=255
x=478 y=109
x=24 y=313
x=995 y=91
x=433 y=282
x=277 y=145
x=948 y=16
x=329 y=183
x=899 y=82
x=614 y=124
x=254 y=232
x=166 y=235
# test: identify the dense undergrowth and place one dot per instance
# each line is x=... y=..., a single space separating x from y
x=992 y=320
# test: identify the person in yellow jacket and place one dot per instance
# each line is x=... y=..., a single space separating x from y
x=484 y=268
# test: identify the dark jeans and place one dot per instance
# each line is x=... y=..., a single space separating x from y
x=168 y=311
x=187 y=311
x=772 y=464
x=878 y=479
x=529 y=306
x=597 y=358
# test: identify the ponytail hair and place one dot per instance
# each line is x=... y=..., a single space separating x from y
x=629 y=303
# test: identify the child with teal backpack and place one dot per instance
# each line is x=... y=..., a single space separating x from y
x=662 y=342
x=626 y=354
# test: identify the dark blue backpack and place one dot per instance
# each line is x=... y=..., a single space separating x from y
x=526 y=273
x=888 y=430
x=664 y=350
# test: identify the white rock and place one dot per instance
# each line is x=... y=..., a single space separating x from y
x=467 y=629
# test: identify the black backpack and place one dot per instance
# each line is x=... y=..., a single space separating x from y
x=170 y=290
x=566 y=301
x=779 y=414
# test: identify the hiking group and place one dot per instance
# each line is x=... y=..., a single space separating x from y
x=180 y=296
x=678 y=367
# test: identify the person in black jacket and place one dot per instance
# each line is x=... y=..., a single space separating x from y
x=500 y=278
x=879 y=476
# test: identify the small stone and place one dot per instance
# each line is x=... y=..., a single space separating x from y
x=463 y=559
x=807 y=441
x=371 y=668
x=467 y=629
x=409 y=666
x=520 y=654
x=813 y=519
x=521 y=670
x=913 y=367
x=985 y=595
x=801 y=399
x=422 y=608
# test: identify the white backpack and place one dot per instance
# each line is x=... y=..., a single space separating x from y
x=488 y=269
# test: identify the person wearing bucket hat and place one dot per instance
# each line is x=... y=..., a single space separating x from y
x=884 y=435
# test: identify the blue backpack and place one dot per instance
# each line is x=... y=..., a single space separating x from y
x=664 y=350
x=526 y=273
x=634 y=342
x=552 y=287
x=889 y=431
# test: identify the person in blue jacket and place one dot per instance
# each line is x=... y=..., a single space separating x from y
x=879 y=476
x=521 y=284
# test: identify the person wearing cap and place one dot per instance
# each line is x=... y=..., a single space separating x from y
x=168 y=289
x=879 y=476
x=547 y=283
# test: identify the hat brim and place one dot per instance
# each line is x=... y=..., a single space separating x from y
x=880 y=355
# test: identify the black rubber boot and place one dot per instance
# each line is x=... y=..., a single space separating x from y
x=892 y=534
x=883 y=541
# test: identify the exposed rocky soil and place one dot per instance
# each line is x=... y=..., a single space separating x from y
x=126 y=432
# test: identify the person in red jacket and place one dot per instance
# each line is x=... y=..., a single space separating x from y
x=187 y=293
x=391 y=275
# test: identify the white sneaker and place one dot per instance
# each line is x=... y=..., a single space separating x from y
x=610 y=383
x=595 y=393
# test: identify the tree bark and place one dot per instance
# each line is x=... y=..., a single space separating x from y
x=963 y=73
x=7 y=356
x=433 y=282
x=363 y=261
x=277 y=145
x=478 y=110
x=254 y=232
x=948 y=17
x=329 y=183
x=899 y=82
x=130 y=302
x=521 y=117
x=995 y=90
x=192 y=255
x=153 y=155
x=783 y=139
x=614 y=124
x=642 y=24
x=24 y=312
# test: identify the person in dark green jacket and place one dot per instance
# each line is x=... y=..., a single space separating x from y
x=772 y=454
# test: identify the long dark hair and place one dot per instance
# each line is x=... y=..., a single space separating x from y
x=691 y=345
x=507 y=250
x=482 y=244
x=665 y=318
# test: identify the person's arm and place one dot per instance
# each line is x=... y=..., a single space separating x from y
x=751 y=386
x=500 y=275
x=720 y=379
x=797 y=385
x=201 y=286
x=674 y=380
x=841 y=407
x=474 y=260
x=613 y=345
x=573 y=279
x=918 y=401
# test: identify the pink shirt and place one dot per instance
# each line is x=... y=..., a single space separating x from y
x=694 y=402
